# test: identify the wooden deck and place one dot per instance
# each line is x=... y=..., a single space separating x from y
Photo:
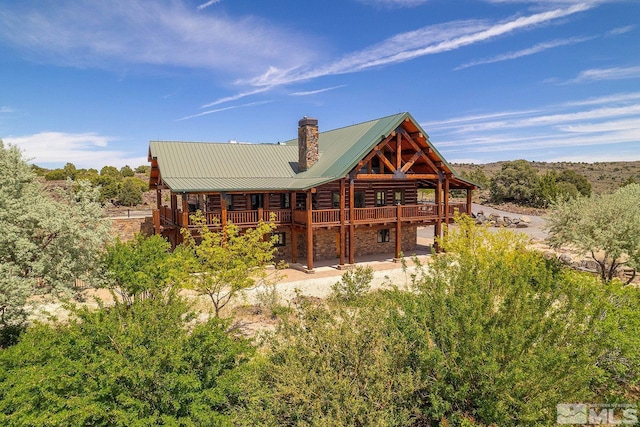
x=426 y=213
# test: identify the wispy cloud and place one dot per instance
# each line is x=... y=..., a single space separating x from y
x=621 y=30
x=87 y=33
x=313 y=92
x=615 y=73
x=616 y=98
x=207 y=4
x=83 y=149
x=414 y=44
x=5 y=109
x=540 y=47
x=236 y=97
x=217 y=110
x=546 y=132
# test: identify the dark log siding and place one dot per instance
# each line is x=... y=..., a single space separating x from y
x=410 y=188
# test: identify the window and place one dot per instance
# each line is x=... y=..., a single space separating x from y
x=398 y=197
x=381 y=198
x=285 y=200
x=383 y=235
x=301 y=200
x=358 y=199
x=282 y=239
x=257 y=201
x=228 y=198
x=335 y=200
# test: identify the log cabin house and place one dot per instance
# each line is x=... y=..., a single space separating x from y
x=336 y=194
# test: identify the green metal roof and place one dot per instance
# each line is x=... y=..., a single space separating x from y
x=199 y=167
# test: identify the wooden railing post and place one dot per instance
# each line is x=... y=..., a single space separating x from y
x=156 y=221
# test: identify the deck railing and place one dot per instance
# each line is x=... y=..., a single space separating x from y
x=421 y=212
x=373 y=215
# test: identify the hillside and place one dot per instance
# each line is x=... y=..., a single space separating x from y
x=604 y=176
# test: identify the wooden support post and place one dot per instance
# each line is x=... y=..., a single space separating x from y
x=398 y=232
x=399 y=151
x=223 y=210
x=352 y=243
x=447 y=214
x=342 y=222
x=265 y=205
x=469 y=202
x=158 y=198
x=437 y=232
x=309 y=232
x=185 y=210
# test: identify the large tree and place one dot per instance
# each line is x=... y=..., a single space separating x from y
x=515 y=182
x=46 y=243
x=605 y=227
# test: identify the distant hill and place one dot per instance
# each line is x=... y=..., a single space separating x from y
x=605 y=177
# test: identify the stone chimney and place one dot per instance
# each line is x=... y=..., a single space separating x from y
x=307 y=143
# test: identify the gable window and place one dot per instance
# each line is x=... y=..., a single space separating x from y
x=335 y=200
x=383 y=235
x=398 y=197
x=358 y=199
x=281 y=239
x=285 y=200
x=381 y=198
x=257 y=201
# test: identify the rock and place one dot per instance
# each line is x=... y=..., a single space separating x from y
x=507 y=220
x=521 y=225
x=566 y=259
x=525 y=219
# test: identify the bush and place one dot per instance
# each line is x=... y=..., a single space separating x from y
x=124 y=365
x=353 y=284
x=332 y=366
x=493 y=334
x=126 y=171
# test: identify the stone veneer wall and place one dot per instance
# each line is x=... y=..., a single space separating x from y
x=126 y=228
x=325 y=243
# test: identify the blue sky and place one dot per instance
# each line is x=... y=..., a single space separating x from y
x=91 y=82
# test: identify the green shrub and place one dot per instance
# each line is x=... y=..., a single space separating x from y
x=124 y=365
x=353 y=284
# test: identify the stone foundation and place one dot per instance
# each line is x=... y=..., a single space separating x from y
x=127 y=228
x=326 y=243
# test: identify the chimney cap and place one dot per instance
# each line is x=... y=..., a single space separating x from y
x=308 y=121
